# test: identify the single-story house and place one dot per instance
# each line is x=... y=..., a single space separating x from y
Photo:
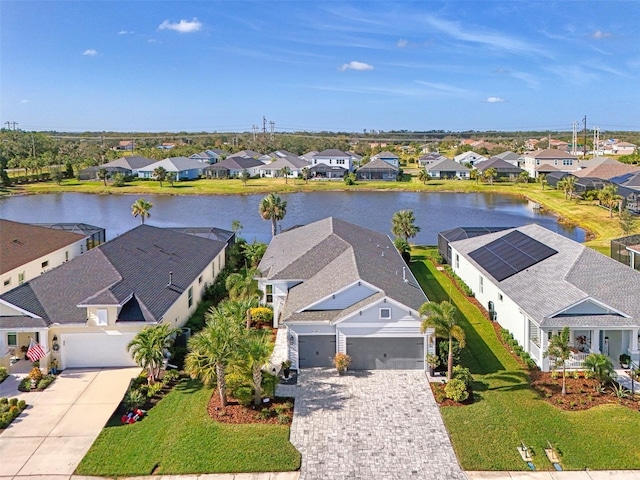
x=459 y=233
x=233 y=167
x=86 y=311
x=553 y=178
x=377 y=169
x=446 y=168
x=391 y=158
x=339 y=287
x=430 y=158
x=503 y=168
x=128 y=166
x=470 y=157
x=294 y=163
x=184 y=168
x=535 y=282
x=624 y=148
x=210 y=156
x=29 y=250
x=605 y=168
x=329 y=172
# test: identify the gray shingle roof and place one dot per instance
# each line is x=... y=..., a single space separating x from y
x=378 y=164
x=330 y=254
x=331 y=152
x=574 y=274
x=446 y=164
x=235 y=163
x=294 y=163
x=135 y=264
x=174 y=164
x=501 y=166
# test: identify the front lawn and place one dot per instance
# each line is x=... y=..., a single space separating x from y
x=508 y=411
x=179 y=437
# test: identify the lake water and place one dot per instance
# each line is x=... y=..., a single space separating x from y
x=433 y=211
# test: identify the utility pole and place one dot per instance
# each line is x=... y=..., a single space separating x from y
x=272 y=125
x=11 y=125
x=255 y=131
x=584 y=148
x=574 y=138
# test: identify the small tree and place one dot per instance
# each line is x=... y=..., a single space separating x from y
x=442 y=318
x=244 y=176
x=403 y=225
x=424 y=176
x=601 y=366
x=627 y=222
x=285 y=172
x=542 y=178
x=103 y=175
x=171 y=177
x=148 y=347
x=490 y=174
x=523 y=177
x=404 y=248
x=474 y=175
x=306 y=173
x=559 y=352
x=160 y=174
x=141 y=208
x=609 y=197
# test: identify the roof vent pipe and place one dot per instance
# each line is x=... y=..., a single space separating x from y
x=170 y=279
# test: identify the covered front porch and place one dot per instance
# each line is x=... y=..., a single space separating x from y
x=14 y=344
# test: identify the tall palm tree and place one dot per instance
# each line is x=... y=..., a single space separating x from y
x=148 y=346
x=273 y=208
x=423 y=176
x=254 y=354
x=569 y=183
x=141 y=208
x=403 y=225
x=160 y=174
x=442 y=318
x=213 y=349
x=285 y=172
x=559 y=352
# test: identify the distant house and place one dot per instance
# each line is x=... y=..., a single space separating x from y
x=626 y=250
x=309 y=156
x=282 y=154
x=446 y=168
x=166 y=146
x=503 y=168
x=470 y=157
x=377 y=169
x=29 y=250
x=511 y=157
x=531 y=144
x=535 y=282
x=563 y=161
x=605 y=168
x=624 y=148
x=293 y=163
x=86 y=311
x=233 y=167
x=430 y=158
x=184 y=168
x=128 y=166
x=251 y=154
x=390 y=158
x=333 y=158
x=210 y=156
x=126 y=145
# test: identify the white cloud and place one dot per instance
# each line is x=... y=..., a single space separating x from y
x=599 y=35
x=495 y=100
x=24 y=100
x=402 y=43
x=355 y=66
x=183 y=26
x=125 y=32
x=90 y=52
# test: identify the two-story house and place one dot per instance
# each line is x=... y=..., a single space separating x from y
x=551 y=159
x=390 y=158
x=331 y=163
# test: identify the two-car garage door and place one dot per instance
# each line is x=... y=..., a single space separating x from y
x=82 y=350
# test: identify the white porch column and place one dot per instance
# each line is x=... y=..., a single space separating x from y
x=595 y=341
x=633 y=345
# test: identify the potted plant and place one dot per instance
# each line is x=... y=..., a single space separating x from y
x=341 y=361
x=286 y=368
x=54 y=366
x=625 y=359
x=432 y=361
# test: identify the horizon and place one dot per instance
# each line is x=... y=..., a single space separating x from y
x=223 y=67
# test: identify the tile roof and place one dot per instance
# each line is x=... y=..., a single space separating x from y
x=134 y=265
x=576 y=273
x=21 y=243
x=330 y=254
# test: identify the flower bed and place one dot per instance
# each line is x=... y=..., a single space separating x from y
x=275 y=411
x=9 y=410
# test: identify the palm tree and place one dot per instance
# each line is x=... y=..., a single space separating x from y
x=609 y=197
x=141 y=208
x=171 y=177
x=559 y=352
x=241 y=287
x=542 y=178
x=442 y=318
x=423 y=176
x=255 y=352
x=213 y=349
x=403 y=225
x=285 y=172
x=148 y=346
x=103 y=175
x=474 y=175
x=272 y=208
x=160 y=174
x=569 y=185
x=600 y=364
x=244 y=176
x=305 y=174
x=490 y=174
x=254 y=252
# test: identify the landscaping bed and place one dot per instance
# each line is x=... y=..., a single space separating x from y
x=275 y=411
x=9 y=410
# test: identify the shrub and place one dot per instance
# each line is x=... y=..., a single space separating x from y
x=282 y=408
x=118 y=180
x=13 y=402
x=45 y=381
x=22 y=404
x=283 y=418
x=217 y=291
x=264 y=414
x=35 y=374
x=341 y=361
x=133 y=399
x=243 y=394
x=456 y=390
x=269 y=383
x=462 y=373
x=3 y=373
x=262 y=315
x=155 y=389
x=4 y=401
x=171 y=375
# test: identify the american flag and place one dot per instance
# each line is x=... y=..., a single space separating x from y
x=35 y=351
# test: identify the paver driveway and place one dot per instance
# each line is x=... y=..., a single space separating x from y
x=369 y=425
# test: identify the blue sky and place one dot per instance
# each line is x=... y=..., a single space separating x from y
x=319 y=65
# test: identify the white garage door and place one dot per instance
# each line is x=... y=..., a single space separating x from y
x=83 y=350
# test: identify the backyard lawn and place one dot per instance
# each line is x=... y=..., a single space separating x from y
x=507 y=411
x=178 y=437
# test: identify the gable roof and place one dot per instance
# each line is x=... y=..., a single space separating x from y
x=475 y=156
x=331 y=152
x=446 y=164
x=174 y=164
x=235 y=163
x=508 y=155
x=330 y=254
x=607 y=169
x=575 y=274
x=501 y=166
x=134 y=162
x=552 y=154
x=386 y=154
x=378 y=164
x=135 y=265
x=21 y=243
x=294 y=163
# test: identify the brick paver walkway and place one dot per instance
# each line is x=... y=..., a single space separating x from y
x=366 y=425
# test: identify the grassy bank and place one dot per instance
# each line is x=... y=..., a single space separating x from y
x=507 y=411
x=594 y=219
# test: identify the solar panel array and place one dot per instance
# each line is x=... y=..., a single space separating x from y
x=511 y=254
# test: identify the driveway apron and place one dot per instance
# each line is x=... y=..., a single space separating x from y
x=59 y=425
x=375 y=424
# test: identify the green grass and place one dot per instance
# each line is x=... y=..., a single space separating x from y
x=179 y=437
x=507 y=411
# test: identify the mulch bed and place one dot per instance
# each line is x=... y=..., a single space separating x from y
x=236 y=413
x=438 y=393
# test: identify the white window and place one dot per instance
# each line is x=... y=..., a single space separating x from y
x=190 y=296
x=268 y=293
x=12 y=339
x=481 y=286
x=457 y=261
x=385 y=313
x=102 y=316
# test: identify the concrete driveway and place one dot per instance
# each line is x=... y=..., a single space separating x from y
x=376 y=424
x=55 y=431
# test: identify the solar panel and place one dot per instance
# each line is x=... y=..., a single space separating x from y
x=511 y=254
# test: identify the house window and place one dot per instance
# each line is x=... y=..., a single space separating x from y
x=7 y=282
x=567 y=161
x=385 y=313
x=537 y=161
x=481 y=286
x=45 y=264
x=12 y=339
x=37 y=337
x=340 y=161
x=190 y=296
x=102 y=316
x=268 y=293
x=200 y=279
x=20 y=278
x=457 y=261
